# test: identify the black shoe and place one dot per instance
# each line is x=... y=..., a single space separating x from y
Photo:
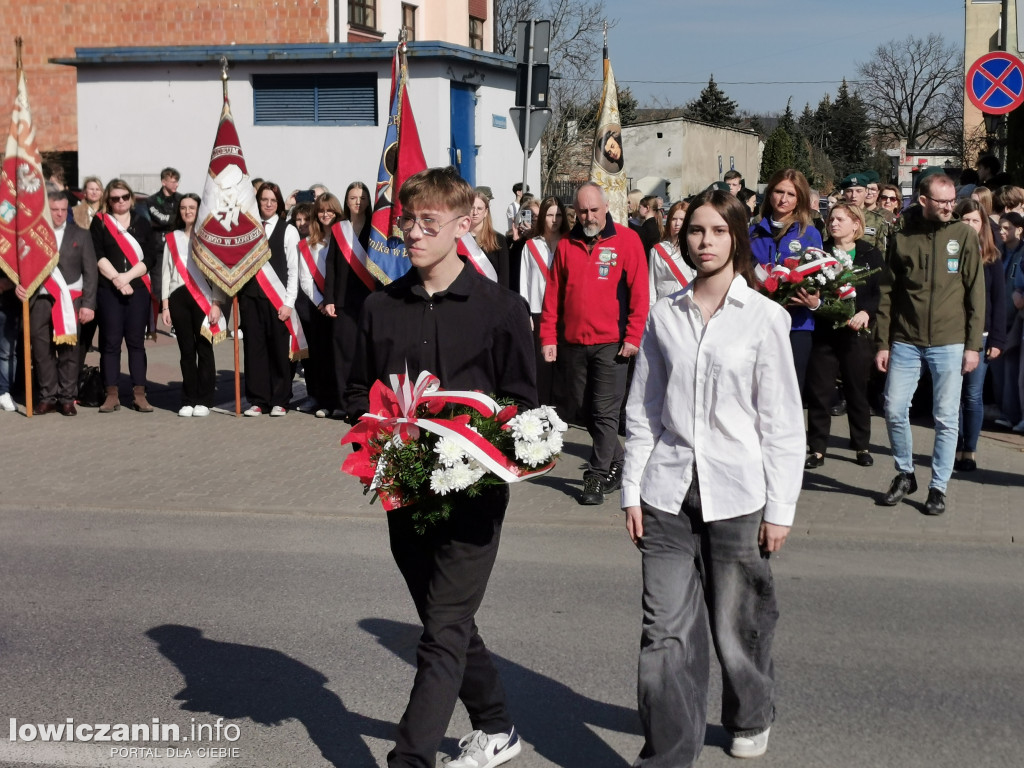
x=936 y=503
x=902 y=484
x=838 y=409
x=864 y=458
x=968 y=465
x=814 y=460
x=613 y=480
x=592 y=490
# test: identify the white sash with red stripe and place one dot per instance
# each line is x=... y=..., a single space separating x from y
x=65 y=321
x=315 y=267
x=197 y=284
x=274 y=290
x=469 y=248
x=535 y=272
x=129 y=245
x=353 y=252
x=662 y=251
x=540 y=261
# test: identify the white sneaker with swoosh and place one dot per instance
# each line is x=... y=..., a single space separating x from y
x=482 y=750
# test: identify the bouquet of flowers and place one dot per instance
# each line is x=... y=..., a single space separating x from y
x=832 y=276
x=420 y=444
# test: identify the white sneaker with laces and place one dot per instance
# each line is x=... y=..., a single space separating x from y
x=200 y=411
x=482 y=750
x=186 y=411
x=253 y=410
x=7 y=402
x=750 y=746
x=277 y=410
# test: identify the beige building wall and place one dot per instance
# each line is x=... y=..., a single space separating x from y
x=981 y=36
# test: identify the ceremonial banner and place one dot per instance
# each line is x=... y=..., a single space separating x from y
x=229 y=244
x=402 y=157
x=28 y=247
x=607 y=165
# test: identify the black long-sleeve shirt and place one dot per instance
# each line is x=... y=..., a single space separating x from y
x=473 y=336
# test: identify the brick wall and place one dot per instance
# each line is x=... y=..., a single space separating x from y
x=54 y=28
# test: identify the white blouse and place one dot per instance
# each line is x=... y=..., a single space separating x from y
x=662 y=282
x=531 y=280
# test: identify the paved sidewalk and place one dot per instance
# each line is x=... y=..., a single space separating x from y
x=158 y=461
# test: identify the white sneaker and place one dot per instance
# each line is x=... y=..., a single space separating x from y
x=481 y=750
x=200 y=411
x=186 y=411
x=321 y=413
x=1004 y=423
x=277 y=410
x=750 y=746
x=253 y=410
x=7 y=402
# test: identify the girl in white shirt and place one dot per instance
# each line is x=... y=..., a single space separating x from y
x=668 y=271
x=714 y=463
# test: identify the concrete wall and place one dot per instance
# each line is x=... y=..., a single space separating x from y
x=135 y=120
x=685 y=154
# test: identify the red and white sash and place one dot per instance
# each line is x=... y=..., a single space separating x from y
x=198 y=287
x=65 y=321
x=274 y=290
x=317 y=268
x=469 y=248
x=542 y=264
x=662 y=251
x=353 y=252
x=133 y=253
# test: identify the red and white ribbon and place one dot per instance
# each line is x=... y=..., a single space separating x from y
x=540 y=261
x=469 y=248
x=662 y=251
x=354 y=253
x=274 y=290
x=65 y=321
x=197 y=285
x=316 y=266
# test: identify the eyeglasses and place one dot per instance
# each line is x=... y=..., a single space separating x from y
x=888 y=198
x=118 y=198
x=326 y=212
x=942 y=203
x=428 y=226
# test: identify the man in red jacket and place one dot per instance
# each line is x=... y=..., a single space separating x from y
x=598 y=290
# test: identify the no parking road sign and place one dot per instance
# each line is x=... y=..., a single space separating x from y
x=995 y=83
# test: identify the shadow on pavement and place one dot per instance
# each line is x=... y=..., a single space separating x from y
x=237 y=681
x=550 y=716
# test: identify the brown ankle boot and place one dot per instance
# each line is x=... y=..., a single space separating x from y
x=141 y=404
x=112 y=403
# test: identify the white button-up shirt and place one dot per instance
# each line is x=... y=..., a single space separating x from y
x=720 y=397
x=291 y=253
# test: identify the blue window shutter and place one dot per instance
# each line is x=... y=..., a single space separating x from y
x=315 y=99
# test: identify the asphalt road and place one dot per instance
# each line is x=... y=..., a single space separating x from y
x=298 y=630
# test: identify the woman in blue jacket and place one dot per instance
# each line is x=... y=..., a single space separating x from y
x=784 y=230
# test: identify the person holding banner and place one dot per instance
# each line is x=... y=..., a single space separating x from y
x=193 y=308
x=348 y=280
x=669 y=271
x=123 y=241
x=272 y=331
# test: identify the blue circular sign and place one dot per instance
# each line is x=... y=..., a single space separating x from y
x=995 y=83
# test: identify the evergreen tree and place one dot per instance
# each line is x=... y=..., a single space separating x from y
x=778 y=154
x=849 y=149
x=712 y=106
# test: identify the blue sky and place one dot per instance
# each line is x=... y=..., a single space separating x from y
x=762 y=40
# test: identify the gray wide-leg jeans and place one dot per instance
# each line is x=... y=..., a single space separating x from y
x=693 y=570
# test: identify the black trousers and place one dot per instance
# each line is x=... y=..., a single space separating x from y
x=268 y=370
x=319 y=366
x=55 y=365
x=198 y=367
x=596 y=371
x=850 y=355
x=801 y=343
x=446 y=570
x=122 y=318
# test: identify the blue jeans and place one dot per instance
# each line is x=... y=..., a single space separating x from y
x=972 y=409
x=695 y=573
x=9 y=312
x=906 y=362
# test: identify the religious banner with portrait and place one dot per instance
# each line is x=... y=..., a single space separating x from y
x=607 y=165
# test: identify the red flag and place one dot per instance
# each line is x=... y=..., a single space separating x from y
x=229 y=245
x=28 y=247
x=402 y=158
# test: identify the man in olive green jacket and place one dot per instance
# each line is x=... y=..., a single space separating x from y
x=932 y=312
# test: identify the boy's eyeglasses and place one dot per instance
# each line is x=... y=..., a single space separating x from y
x=428 y=226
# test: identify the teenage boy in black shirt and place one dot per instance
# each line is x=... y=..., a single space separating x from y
x=444 y=317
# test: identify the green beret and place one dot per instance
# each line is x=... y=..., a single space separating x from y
x=871 y=177
x=854 y=180
x=720 y=186
x=928 y=170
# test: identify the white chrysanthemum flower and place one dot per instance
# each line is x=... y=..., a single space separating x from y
x=527 y=426
x=440 y=482
x=477 y=470
x=554 y=419
x=460 y=477
x=554 y=443
x=449 y=452
x=532 y=454
x=821 y=279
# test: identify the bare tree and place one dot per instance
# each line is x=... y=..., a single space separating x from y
x=574 y=56
x=906 y=86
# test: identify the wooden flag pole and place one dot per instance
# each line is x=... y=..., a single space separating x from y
x=238 y=382
x=27 y=338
